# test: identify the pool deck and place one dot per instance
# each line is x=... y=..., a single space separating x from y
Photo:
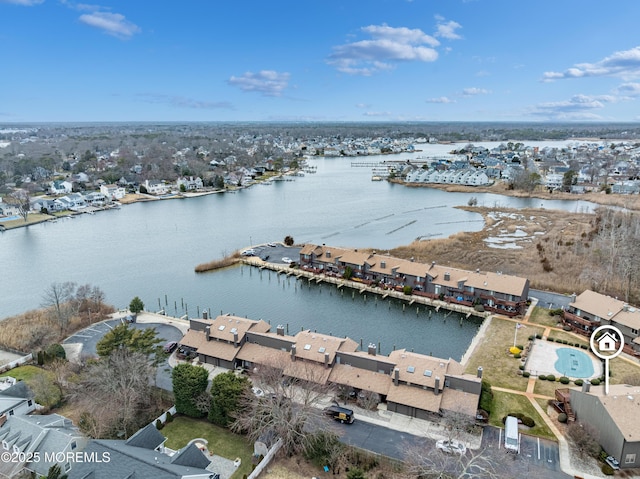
x=543 y=357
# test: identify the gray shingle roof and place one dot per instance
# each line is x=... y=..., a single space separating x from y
x=148 y=438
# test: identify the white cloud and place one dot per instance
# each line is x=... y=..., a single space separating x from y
x=267 y=82
x=447 y=29
x=442 y=99
x=628 y=89
x=624 y=64
x=475 y=91
x=377 y=113
x=24 y=3
x=113 y=24
x=386 y=46
x=363 y=105
x=185 y=102
x=578 y=107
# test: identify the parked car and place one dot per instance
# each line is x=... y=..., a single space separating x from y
x=248 y=252
x=170 y=347
x=451 y=446
x=287 y=260
x=613 y=462
x=273 y=245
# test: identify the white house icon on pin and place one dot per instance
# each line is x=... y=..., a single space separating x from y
x=607 y=342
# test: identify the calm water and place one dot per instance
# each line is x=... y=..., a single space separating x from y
x=150 y=250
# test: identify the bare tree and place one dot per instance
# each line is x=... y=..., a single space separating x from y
x=116 y=393
x=585 y=439
x=21 y=200
x=59 y=298
x=289 y=407
x=423 y=460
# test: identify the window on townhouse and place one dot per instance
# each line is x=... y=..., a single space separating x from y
x=630 y=459
x=11 y=413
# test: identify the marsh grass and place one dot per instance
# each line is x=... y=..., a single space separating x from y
x=228 y=260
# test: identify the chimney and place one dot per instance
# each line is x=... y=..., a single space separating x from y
x=326 y=360
x=586 y=386
x=433 y=263
x=396 y=376
x=625 y=307
x=328 y=254
x=293 y=352
x=436 y=388
x=447 y=276
x=383 y=264
x=372 y=349
x=477 y=270
x=205 y=314
x=280 y=330
x=207 y=333
x=573 y=298
x=479 y=373
x=412 y=259
x=235 y=339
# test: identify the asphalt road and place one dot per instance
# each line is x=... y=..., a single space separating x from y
x=90 y=336
x=275 y=254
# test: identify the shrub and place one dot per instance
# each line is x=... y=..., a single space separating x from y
x=56 y=351
x=486 y=397
x=564 y=341
x=550 y=339
x=532 y=337
x=526 y=374
x=562 y=417
x=520 y=347
x=551 y=377
x=169 y=416
x=407 y=290
x=578 y=382
x=527 y=421
x=159 y=424
x=566 y=327
x=607 y=470
x=583 y=346
x=565 y=380
x=595 y=382
x=517 y=356
x=521 y=367
x=538 y=336
x=542 y=377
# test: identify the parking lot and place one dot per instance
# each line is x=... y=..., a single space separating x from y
x=278 y=253
x=84 y=342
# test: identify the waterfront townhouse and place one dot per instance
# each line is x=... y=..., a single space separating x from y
x=409 y=383
x=217 y=341
x=496 y=292
x=616 y=417
x=590 y=310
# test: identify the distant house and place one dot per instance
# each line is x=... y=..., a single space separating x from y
x=156 y=187
x=190 y=183
x=113 y=192
x=59 y=187
x=46 y=435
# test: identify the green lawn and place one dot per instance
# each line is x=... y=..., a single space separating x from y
x=541 y=316
x=505 y=403
x=221 y=441
x=26 y=373
x=492 y=353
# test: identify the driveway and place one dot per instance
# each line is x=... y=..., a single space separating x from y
x=275 y=254
x=83 y=344
x=550 y=300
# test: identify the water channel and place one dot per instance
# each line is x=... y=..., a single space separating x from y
x=150 y=250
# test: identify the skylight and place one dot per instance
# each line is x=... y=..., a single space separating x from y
x=221 y=328
x=307 y=347
x=411 y=369
x=428 y=372
x=322 y=350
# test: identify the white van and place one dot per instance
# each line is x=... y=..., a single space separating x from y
x=511 y=435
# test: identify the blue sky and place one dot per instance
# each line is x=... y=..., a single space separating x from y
x=349 y=60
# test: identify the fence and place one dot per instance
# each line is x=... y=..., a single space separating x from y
x=18 y=362
x=266 y=460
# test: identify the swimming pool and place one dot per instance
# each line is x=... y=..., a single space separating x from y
x=573 y=363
